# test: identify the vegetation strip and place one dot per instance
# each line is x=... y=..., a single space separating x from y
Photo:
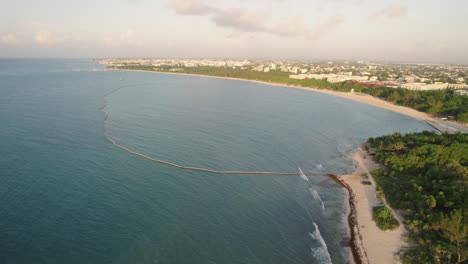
x=384 y=218
x=426 y=177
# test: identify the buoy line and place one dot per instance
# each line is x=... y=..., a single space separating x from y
x=169 y=163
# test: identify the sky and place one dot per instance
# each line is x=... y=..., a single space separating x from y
x=431 y=31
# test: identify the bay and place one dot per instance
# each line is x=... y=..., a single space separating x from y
x=69 y=196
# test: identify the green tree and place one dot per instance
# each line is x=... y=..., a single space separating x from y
x=454 y=227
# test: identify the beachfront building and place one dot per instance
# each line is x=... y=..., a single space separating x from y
x=333 y=78
x=461 y=92
x=259 y=68
x=411 y=79
x=425 y=86
x=294 y=70
x=458 y=86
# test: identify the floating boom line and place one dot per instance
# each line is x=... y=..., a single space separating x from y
x=359 y=255
x=206 y=169
x=165 y=162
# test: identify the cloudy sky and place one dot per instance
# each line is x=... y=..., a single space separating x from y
x=384 y=30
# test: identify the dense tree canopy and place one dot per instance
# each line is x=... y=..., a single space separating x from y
x=426 y=176
x=384 y=218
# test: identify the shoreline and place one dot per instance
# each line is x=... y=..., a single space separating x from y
x=372 y=244
x=368 y=243
x=440 y=125
x=358 y=252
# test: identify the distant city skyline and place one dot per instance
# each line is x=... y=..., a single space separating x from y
x=430 y=31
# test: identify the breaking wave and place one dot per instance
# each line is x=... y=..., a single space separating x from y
x=319 y=166
x=317 y=197
x=303 y=176
x=320 y=251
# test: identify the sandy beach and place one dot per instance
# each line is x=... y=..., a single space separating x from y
x=379 y=246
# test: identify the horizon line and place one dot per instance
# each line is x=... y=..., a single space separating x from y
x=237 y=58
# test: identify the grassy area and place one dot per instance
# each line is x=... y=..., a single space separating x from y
x=384 y=218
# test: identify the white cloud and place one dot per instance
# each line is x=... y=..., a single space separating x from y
x=392 y=11
x=234 y=35
x=45 y=37
x=325 y=27
x=242 y=20
x=294 y=27
x=8 y=39
x=190 y=7
x=49 y=38
x=125 y=38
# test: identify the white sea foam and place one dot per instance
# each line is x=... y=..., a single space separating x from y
x=317 y=197
x=320 y=166
x=345 y=147
x=320 y=252
x=303 y=176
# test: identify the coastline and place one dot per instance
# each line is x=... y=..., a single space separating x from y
x=373 y=244
x=358 y=252
x=440 y=125
x=368 y=243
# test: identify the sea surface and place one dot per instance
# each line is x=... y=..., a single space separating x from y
x=67 y=195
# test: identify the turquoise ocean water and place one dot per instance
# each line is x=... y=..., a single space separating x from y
x=69 y=196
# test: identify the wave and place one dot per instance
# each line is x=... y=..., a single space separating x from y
x=312 y=191
x=319 y=166
x=344 y=148
x=320 y=252
x=303 y=176
x=316 y=196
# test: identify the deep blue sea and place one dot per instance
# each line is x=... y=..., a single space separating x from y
x=67 y=195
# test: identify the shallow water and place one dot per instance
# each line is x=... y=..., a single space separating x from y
x=69 y=196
